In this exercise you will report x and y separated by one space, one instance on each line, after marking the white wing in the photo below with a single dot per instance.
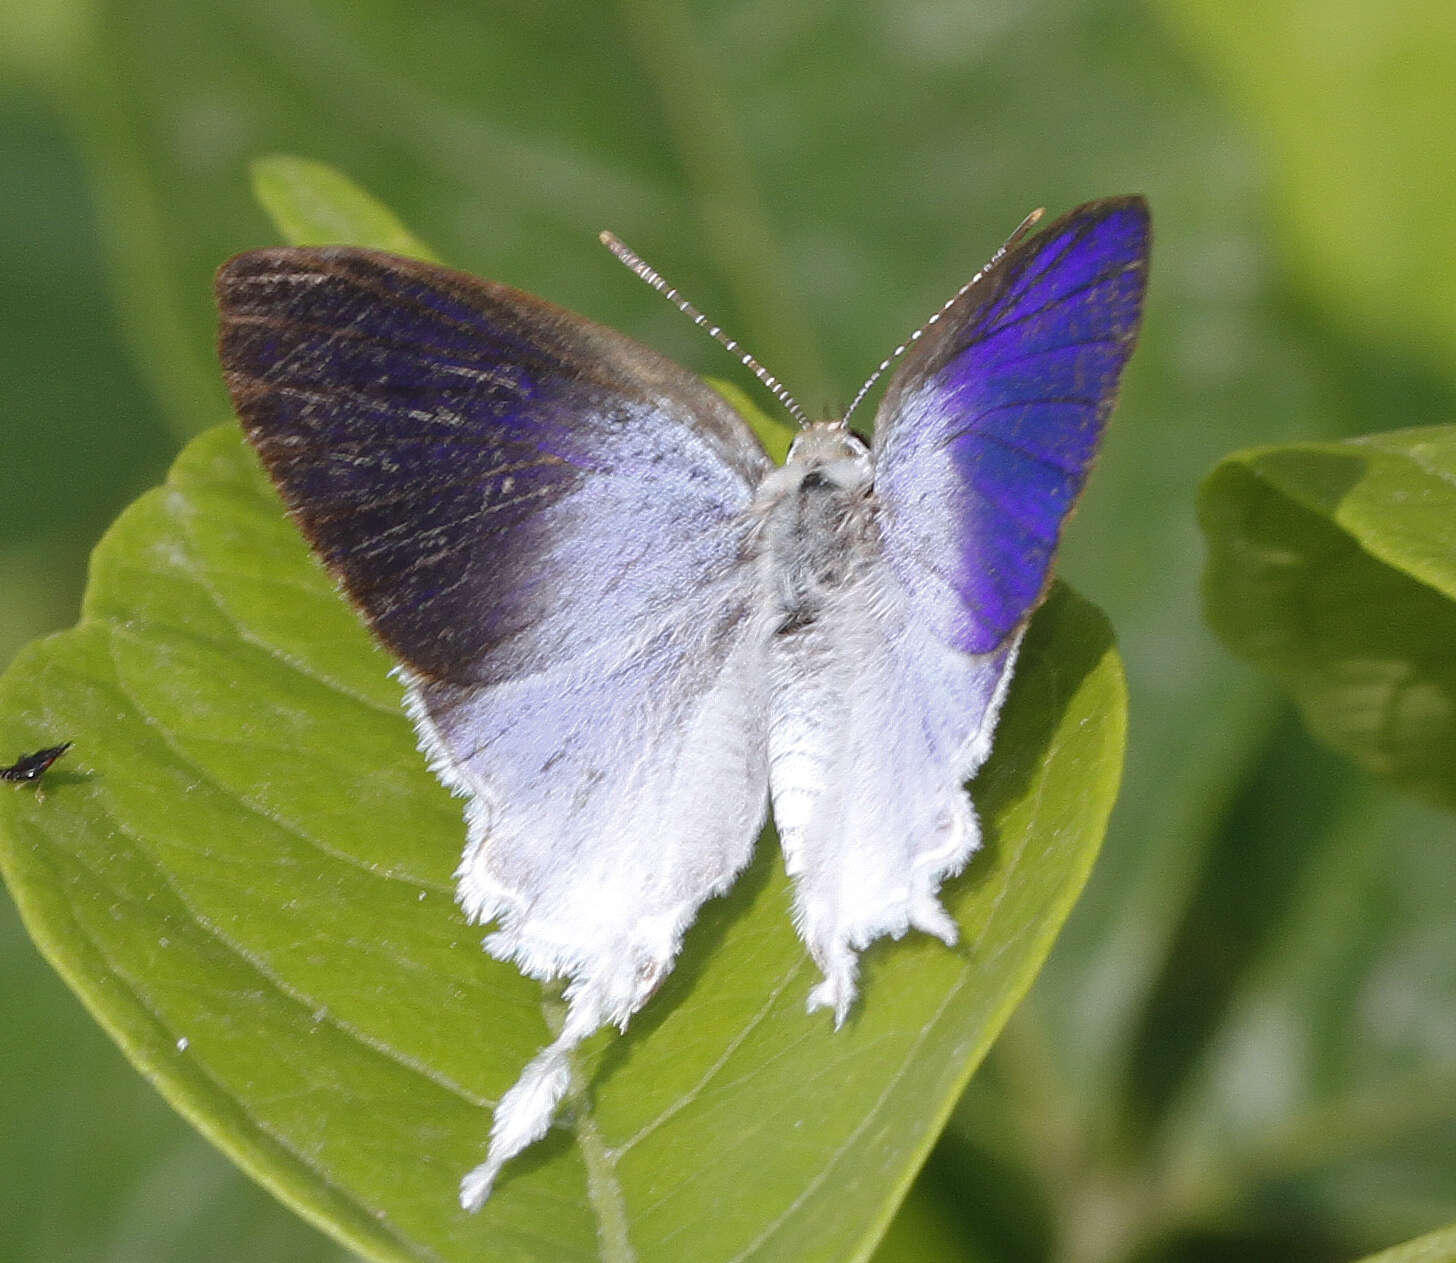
610 795
874 726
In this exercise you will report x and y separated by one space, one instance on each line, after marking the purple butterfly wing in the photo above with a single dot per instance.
442 441
549 525
989 429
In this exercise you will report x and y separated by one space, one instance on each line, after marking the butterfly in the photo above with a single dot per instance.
624 632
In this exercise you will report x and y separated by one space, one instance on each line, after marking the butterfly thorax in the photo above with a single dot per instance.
818 522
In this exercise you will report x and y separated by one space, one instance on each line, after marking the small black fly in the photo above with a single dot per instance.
31 767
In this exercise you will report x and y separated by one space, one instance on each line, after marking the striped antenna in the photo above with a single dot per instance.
945 307
772 383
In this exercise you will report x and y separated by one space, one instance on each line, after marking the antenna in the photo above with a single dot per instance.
945 307
646 273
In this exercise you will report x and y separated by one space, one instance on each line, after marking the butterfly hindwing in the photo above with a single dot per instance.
874 725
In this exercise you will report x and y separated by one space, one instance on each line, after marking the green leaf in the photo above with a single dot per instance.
1433 1247
1333 566
244 872
312 204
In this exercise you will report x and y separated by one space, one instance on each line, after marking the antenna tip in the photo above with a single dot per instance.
622 252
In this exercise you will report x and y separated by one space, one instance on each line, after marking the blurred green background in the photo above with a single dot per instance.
1244 1046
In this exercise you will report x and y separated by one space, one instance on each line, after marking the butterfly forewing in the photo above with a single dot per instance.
987 433
495 481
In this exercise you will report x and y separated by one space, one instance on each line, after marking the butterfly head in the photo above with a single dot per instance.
826 443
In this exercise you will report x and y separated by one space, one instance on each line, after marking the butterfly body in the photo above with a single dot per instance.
818 523
624 633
